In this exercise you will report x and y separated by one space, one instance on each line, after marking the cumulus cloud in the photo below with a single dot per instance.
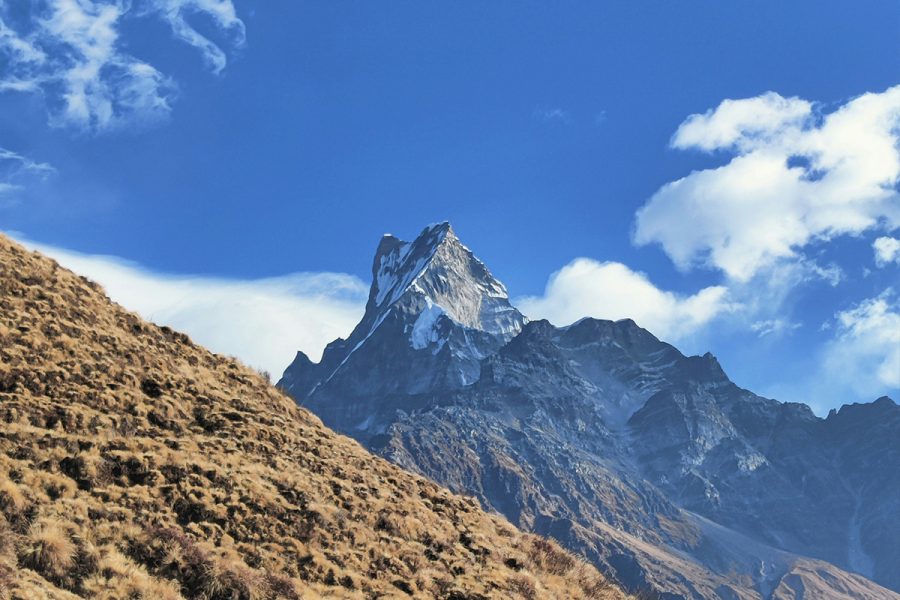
610 290
71 53
796 176
887 251
263 322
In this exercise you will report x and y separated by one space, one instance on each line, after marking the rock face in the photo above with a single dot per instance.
652 464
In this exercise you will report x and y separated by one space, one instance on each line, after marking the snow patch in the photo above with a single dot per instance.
424 331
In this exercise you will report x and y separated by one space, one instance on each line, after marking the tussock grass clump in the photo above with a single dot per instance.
119 577
48 549
12 500
545 555
134 464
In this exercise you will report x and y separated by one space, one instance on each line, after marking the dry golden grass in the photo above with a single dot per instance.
48 549
135 464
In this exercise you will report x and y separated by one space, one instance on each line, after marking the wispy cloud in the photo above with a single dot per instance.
263 321
15 169
860 361
797 176
71 52
610 290
221 12
769 327
551 115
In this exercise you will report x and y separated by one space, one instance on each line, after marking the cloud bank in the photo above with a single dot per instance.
796 176
610 290
263 322
70 52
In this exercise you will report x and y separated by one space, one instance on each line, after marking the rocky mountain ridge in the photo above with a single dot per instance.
651 463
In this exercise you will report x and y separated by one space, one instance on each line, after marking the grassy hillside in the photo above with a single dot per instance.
135 464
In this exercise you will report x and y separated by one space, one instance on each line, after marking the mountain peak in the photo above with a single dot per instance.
864 410
398 263
437 273
432 305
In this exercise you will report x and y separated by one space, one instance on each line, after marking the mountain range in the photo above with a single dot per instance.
652 464
135 464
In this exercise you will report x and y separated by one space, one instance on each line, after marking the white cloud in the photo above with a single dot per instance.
14 168
887 251
70 51
865 353
610 290
551 114
743 123
795 177
17 49
263 322
770 295
767 327
220 11
858 363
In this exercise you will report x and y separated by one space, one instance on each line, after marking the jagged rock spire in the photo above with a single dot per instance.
431 301
436 267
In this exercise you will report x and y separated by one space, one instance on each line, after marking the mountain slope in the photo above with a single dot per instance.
651 463
136 464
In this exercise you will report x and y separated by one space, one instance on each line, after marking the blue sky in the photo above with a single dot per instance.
224 143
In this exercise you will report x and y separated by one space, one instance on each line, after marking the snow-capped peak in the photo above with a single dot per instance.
433 307
436 270
398 264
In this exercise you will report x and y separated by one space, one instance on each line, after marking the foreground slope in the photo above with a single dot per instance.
651 463
134 464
